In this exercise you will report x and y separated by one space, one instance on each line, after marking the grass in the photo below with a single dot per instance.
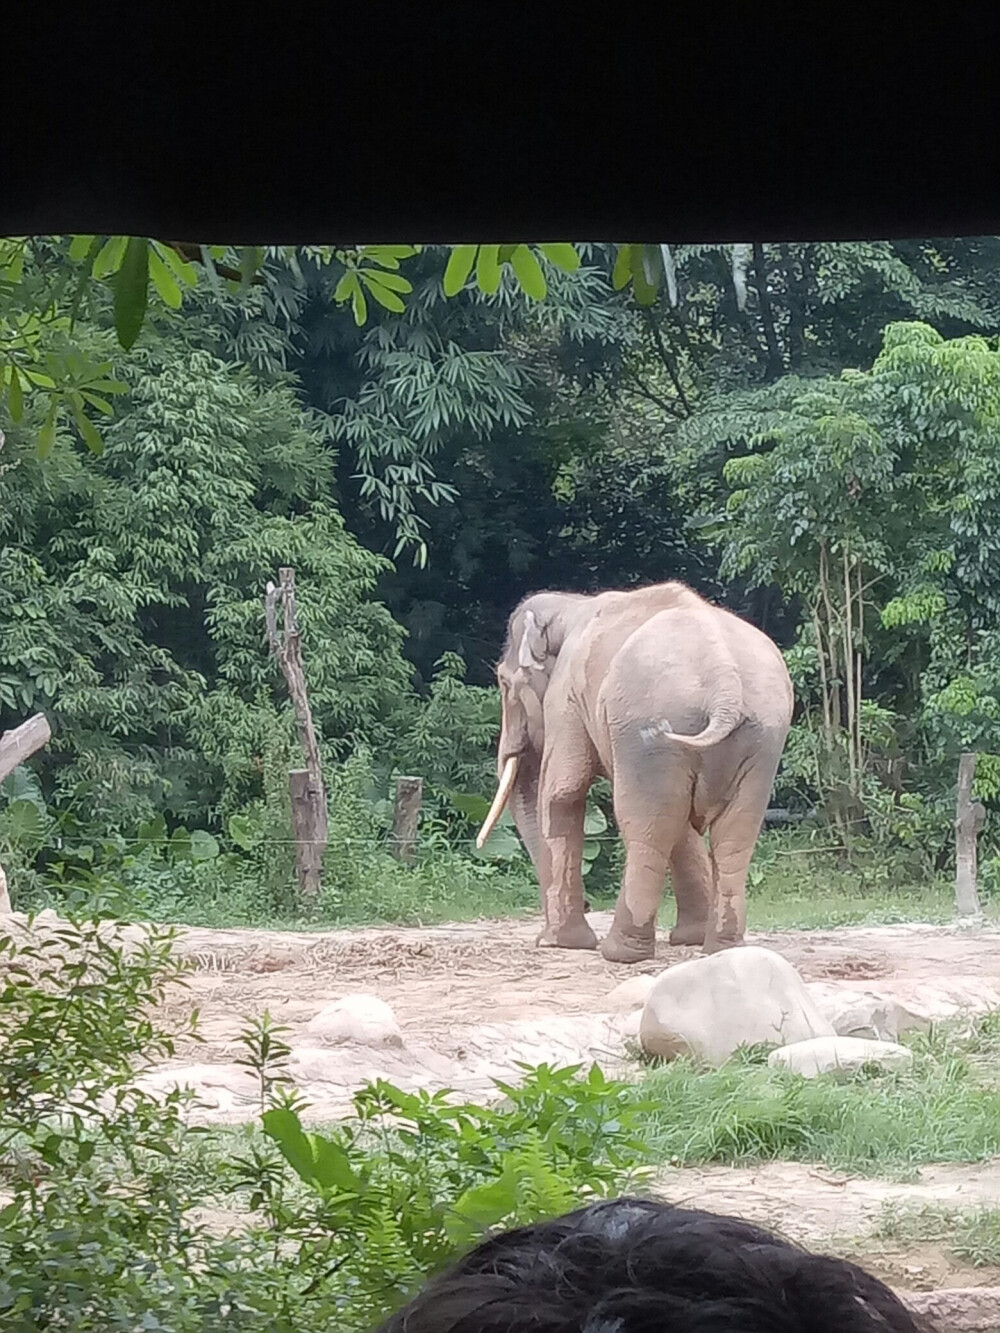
969 1234
944 1108
792 886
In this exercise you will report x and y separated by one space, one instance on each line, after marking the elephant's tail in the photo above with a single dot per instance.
725 714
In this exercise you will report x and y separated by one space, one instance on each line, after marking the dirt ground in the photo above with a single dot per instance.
474 999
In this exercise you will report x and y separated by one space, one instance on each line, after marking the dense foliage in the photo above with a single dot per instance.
100 1180
804 432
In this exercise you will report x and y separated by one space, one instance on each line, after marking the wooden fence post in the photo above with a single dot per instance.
405 816
969 817
308 795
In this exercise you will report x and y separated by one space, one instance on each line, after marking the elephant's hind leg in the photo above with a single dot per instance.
652 808
691 877
732 838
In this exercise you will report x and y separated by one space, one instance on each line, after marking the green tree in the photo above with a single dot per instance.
138 625
874 499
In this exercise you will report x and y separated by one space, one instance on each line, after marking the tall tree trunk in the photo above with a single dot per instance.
796 310
775 364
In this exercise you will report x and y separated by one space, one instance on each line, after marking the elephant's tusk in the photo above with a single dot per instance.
500 800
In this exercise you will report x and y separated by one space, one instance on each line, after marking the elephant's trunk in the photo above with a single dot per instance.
725 714
507 780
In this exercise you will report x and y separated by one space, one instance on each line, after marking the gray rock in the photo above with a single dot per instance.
838 1055
711 1006
364 1019
865 1013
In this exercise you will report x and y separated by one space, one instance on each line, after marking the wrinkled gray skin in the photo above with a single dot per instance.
686 708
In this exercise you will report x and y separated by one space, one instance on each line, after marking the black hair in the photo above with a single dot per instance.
637 1266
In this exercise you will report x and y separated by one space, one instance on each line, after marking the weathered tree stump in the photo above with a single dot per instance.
308 802
308 794
405 817
969 818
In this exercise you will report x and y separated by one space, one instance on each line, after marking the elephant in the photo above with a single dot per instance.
686 708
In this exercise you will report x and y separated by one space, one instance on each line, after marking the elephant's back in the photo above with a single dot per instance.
678 658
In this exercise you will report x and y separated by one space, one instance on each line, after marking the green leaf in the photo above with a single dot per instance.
458 268
283 1126
475 808
181 268
90 433
15 396
594 821
203 846
503 845
331 1167
95 400
132 291
481 1207
382 294
623 268
359 305
47 435
505 253
80 247
180 844
563 256
109 257
529 273
241 830
347 285
591 849
394 281
164 281
488 269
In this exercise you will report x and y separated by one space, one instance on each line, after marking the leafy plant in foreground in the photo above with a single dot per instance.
416 1177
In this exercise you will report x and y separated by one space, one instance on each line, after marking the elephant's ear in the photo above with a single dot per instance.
533 648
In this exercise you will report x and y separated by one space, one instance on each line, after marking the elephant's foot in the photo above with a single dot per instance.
570 935
716 944
692 933
617 947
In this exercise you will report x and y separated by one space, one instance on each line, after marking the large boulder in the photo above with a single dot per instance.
709 1007
838 1055
363 1019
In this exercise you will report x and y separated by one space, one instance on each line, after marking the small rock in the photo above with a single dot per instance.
217 1087
827 1055
865 1013
364 1019
631 994
711 1006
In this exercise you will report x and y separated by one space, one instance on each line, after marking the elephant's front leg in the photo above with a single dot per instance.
563 807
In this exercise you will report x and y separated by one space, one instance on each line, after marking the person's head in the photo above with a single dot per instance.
634 1266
